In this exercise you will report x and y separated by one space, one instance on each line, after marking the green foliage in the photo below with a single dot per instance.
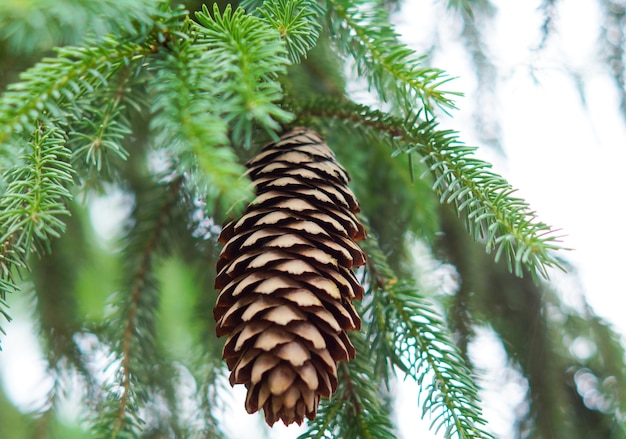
32 204
188 123
361 29
164 106
413 207
406 332
297 23
97 137
29 26
505 224
49 90
133 323
247 56
356 410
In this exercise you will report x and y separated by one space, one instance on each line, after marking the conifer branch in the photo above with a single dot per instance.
32 204
408 333
32 26
362 30
248 55
355 411
189 122
50 89
206 370
97 137
504 223
135 320
297 23
213 84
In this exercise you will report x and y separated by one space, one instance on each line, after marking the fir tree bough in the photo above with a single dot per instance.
164 106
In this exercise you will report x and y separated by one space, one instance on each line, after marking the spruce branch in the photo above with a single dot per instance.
408 333
134 323
189 121
55 276
32 26
97 137
505 224
49 90
362 30
297 22
248 55
355 411
32 205
206 369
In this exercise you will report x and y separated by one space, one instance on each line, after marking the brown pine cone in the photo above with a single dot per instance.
286 280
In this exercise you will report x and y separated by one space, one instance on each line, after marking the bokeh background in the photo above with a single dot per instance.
544 102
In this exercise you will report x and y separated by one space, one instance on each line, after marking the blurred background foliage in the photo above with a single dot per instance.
70 291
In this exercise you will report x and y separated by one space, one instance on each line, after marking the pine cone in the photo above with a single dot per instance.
286 280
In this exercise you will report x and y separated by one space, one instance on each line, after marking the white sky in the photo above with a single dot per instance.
566 160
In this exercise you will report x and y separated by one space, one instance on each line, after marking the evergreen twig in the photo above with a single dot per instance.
189 122
32 205
362 30
297 22
247 56
408 333
49 90
135 318
98 136
503 222
32 26
355 411
210 86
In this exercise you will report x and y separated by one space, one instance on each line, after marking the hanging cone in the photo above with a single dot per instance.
286 280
